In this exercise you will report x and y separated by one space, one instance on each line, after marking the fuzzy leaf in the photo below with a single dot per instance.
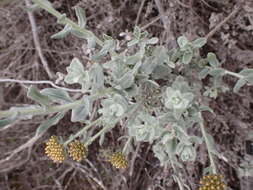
198 43
249 79
107 47
137 32
50 122
8 120
35 95
187 57
77 74
79 34
206 108
97 76
217 72
91 42
80 13
246 72
82 111
63 33
126 81
152 40
56 95
182 41
212 60
239 84
204 73
132 42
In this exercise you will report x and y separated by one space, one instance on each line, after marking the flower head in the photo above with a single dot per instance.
77 150
54 150
212 182
118 160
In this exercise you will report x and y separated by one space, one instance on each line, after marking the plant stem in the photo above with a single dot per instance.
95 122
126 145
106 128
102 131
208 146
52 109
40 110
233 74
44 5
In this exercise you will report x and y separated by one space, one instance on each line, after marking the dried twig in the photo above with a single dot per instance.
212 32
151 22
37 42
87 172
139 12
161 11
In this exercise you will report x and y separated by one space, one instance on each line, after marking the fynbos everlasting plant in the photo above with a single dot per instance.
155 94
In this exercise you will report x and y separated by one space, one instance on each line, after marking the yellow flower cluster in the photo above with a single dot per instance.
55 150
118 160
77 150
212 182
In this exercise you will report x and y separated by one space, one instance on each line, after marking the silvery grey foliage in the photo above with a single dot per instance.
113 107
154 93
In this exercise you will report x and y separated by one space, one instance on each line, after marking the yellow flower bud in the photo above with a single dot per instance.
118 160
54 150
212 182
77 151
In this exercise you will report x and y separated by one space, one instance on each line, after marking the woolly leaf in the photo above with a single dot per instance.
212 60
77 74
126 81
182 41
8 120
132 42
80 13
198 43
152 40
187 57
97 76
80 112
35 95
56 95
50 122
249 79
246 72
63 33
217 72
204 73
239 84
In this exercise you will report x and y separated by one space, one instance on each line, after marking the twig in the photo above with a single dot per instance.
37 41
151 22
83 169
208 146
182 4
212 32
139 12
40 82
133 159
161 11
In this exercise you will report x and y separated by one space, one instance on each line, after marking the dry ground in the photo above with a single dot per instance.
166 19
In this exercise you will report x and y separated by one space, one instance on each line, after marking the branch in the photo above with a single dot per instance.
37 41
39 82
208 146
212 32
